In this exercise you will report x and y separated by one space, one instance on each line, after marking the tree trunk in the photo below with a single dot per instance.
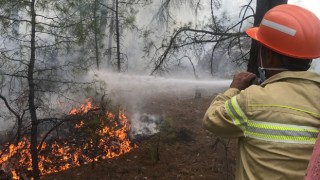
103 19
262 7
15 24
111 35
19 130
32 108
102 27
96 34
118 36
83 49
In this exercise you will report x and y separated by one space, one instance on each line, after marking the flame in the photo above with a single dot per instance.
110 140
14 175
80 125
84 108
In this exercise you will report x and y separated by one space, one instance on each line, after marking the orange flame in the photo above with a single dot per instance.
80 125
111 140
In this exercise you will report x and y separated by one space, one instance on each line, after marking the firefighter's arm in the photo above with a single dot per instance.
217 120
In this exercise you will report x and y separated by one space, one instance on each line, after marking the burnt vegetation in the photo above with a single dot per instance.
88 134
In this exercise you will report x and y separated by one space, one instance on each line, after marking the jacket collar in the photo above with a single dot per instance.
305 75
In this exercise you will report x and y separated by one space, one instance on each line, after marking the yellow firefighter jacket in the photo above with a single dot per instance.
277 124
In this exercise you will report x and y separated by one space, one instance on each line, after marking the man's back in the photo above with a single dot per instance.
279 123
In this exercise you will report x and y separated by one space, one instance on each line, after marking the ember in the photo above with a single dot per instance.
99 135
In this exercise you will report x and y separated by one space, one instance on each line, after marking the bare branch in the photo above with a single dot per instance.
172 45
9 107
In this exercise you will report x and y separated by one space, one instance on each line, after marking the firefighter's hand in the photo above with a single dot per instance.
242 80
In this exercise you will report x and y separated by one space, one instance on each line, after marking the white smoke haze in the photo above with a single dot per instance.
182 14
144 125
136 87
313 6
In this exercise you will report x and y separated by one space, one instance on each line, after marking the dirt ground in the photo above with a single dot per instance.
182 149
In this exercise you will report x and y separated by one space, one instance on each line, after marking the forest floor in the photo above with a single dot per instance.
181 150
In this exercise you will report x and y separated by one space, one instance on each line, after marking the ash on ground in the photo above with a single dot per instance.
144 125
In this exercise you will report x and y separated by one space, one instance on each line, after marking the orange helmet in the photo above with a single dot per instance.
289 30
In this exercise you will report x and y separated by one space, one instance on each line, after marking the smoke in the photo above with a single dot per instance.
144 125
134 91
312 5
182 16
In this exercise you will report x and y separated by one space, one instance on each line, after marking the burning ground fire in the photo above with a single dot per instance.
100 135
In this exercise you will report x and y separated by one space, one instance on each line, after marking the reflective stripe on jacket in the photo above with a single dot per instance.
277 124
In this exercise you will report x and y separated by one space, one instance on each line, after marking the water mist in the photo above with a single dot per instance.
134 92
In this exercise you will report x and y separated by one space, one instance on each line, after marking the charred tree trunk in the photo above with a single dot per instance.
118 36
31 101
262 7
19 130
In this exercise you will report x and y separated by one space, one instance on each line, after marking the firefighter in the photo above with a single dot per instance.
276 122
